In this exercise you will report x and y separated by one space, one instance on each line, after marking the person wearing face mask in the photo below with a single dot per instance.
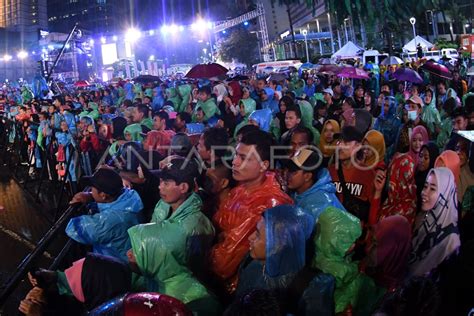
436 233
414 110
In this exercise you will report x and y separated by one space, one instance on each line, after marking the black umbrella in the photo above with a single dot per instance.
144 79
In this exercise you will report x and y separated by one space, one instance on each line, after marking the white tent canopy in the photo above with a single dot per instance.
411 45
350 50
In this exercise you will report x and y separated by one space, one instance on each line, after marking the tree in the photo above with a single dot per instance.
240 45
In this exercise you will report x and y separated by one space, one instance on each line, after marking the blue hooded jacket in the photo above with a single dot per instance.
320 196
270 103
263 119
106 230
389 124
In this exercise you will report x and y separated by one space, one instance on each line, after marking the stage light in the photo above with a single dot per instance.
103 40
115 38
91 42
151 58
7 57
132 35
173 28
151 32
50 47
246 23
165 29
22 54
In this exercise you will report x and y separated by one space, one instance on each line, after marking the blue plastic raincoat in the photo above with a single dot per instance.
263 118
320 196
270 102
129 94
389 124
106 230
286 230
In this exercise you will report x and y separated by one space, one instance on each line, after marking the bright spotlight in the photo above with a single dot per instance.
165 29
181 28
246 23
50 47
151 32
132 35
151 58
68 46
103 40
7 57
91 42
173 28
22 54
114 38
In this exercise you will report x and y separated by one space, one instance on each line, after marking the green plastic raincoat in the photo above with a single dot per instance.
337 231
172 95
431 115
94 113
209 108
134 130
184 92
249 106
307 114
164 248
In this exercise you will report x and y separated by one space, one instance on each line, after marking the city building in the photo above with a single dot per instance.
98 17
26 17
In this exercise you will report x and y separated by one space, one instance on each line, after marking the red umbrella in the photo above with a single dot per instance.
207 71
353 73
81 84
437 69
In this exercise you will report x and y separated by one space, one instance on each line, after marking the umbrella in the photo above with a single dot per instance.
437 70
353 73
144 79
207 71
81 84
325 61
238 78
407 74
392 60
277 77
307 66
330 69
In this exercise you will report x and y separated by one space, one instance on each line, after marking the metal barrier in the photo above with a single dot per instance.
31 259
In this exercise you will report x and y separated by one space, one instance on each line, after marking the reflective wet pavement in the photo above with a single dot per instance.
23 222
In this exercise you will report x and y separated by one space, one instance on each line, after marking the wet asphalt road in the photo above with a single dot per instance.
23 222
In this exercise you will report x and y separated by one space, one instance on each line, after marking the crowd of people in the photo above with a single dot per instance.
310 195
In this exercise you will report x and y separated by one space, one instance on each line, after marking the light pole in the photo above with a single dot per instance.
305 33
330 31
413 22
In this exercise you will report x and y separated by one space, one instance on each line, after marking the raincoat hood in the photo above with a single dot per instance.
135 131
320 196
209 108
249 106
287 228
263 118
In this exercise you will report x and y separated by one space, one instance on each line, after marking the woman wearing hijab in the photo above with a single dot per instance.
418 138
327 142
401 198
428 154
450 159
278 250
436 234
374 151
387 259
466 177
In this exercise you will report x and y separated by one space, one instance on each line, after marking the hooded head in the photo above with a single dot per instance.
261 118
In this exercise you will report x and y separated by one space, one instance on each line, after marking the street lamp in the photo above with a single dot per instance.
305 33
413 22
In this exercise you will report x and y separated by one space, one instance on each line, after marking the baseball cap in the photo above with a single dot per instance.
105 180
416 99
304 159
349 134
329 90
178 169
